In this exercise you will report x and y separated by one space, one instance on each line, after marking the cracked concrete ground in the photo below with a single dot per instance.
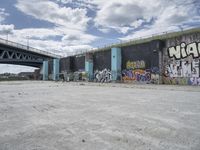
36 115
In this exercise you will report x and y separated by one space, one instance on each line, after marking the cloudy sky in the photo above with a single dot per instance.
66 26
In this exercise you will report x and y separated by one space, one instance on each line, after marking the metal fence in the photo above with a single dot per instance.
121 43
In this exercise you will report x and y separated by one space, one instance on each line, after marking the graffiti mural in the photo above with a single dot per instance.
175 81
155 75
135 72
183 65
103 76
194 81
182 68
135 64
136 75
182 51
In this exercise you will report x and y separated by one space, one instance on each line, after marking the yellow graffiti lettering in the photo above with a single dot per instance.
135 64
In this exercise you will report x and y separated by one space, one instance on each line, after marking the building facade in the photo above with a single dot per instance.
172 58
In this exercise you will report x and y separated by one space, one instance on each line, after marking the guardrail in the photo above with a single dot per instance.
28 48
120 43
133 41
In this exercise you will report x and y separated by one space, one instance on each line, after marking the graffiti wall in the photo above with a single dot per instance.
102 66
102 60
140 63
104 75
182 60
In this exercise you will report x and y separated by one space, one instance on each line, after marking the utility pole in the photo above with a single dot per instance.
7 36
27 42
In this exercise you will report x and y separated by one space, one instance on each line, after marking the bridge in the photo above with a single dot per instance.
19 54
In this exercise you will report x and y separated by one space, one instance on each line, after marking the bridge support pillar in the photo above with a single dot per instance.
89 65
56 69
116 62
45 70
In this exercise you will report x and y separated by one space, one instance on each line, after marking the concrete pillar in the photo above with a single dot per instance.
89 66
56 67
161 68
116 62
45 70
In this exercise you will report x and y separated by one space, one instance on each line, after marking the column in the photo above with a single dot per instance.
89 65
116 63
45 70
56 67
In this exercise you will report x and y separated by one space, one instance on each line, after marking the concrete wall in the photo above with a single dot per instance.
181 60
65 64
165 60
102 60
72 68
140 63
78 63
102 66
50 69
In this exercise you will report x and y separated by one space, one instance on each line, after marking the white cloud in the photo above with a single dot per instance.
68 36
3 15
78 39
45 39
79 3
174 17
124 16
69 30
6 29
52 12
148 32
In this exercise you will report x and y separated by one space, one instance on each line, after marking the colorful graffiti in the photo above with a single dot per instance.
175 81
136 75
103 76
184 66
184 50
139 75
135 64
182 72
181 81
135 71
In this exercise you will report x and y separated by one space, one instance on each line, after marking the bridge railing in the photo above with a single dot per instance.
121 43
27 48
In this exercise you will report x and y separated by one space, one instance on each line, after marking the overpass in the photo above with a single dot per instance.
19 54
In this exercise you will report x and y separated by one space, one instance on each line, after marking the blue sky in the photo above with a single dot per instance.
67 26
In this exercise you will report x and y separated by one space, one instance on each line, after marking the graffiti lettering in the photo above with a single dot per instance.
135 64
103 76
179 81
136 75
183 50
182 80
182 69
194 81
